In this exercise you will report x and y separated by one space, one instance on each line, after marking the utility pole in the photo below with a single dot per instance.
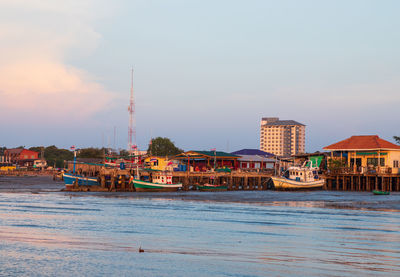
42 158
115 134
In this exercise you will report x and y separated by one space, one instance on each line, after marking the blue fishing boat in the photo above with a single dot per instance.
73 179
78 180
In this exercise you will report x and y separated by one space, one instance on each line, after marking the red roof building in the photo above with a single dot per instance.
20 156
362 143
368 152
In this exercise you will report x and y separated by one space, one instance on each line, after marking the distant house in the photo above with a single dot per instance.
20 156
2 158
365 153
317 159
5 165
255 159
160 163
206 160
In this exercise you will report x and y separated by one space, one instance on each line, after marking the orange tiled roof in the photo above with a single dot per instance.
362 143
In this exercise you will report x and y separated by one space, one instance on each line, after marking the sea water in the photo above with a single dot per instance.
46 232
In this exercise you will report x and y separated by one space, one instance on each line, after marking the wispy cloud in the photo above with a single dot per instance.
35 79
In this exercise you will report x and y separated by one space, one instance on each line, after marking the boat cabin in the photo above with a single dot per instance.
162 178
304 173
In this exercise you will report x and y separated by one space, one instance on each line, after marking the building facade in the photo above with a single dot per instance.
255 160
368 154
21 157
282 137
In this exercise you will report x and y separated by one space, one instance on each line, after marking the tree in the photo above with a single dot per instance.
123 153
54 156
163 147
397 139
91 152
335 164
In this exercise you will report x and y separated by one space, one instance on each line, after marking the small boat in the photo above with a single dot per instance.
160 182
211 187
380 192
78 180
299 177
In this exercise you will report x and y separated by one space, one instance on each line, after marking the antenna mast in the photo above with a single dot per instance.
132 126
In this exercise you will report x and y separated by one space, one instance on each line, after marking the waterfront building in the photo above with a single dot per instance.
160 163
207 160
255 159
2 157
317 159
367 154
20 156
282 137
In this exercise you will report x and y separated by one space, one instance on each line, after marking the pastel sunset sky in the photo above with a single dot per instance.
205 71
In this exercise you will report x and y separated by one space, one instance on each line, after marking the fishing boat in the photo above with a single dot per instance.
74 179
380 192
299 177
160 182
212 187
71 179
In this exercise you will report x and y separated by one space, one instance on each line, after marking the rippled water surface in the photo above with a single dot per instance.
257 233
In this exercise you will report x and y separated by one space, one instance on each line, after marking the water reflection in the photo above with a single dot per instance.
228 235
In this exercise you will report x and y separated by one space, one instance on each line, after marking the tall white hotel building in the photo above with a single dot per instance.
282 137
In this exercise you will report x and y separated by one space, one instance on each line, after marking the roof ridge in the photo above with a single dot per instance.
364 136
363 142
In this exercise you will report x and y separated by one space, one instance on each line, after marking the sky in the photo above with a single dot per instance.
205 72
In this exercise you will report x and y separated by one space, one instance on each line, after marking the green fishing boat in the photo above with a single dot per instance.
150 186
159 182
210 187
380 192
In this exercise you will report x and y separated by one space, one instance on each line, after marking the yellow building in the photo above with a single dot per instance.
159 163
368 153
282 137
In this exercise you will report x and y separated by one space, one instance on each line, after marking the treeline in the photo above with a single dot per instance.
53 155
56 156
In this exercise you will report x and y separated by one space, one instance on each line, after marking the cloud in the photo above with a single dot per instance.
36 82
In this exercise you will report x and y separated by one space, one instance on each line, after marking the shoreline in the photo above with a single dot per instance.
349 200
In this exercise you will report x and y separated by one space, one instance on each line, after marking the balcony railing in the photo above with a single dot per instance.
361 170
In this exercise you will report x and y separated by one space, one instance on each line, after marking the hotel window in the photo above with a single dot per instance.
396 164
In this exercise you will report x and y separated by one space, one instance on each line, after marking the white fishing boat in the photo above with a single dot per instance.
299 177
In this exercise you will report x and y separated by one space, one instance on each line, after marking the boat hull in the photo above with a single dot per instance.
207 187
149 186
70 179
380 192
287 184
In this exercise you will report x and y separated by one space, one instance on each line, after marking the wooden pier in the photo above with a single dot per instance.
362 182
115 179
234 180
118 180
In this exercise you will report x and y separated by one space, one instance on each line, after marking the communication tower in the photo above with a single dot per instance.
132 147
